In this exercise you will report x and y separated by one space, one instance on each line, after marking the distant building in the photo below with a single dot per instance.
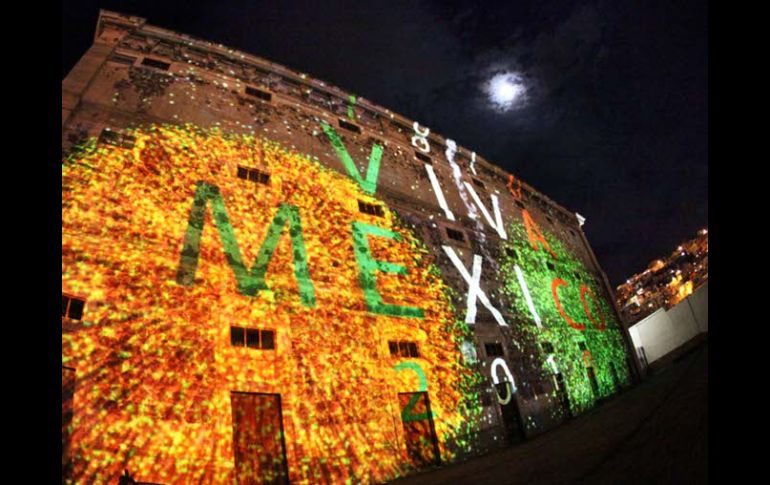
266 278
666 281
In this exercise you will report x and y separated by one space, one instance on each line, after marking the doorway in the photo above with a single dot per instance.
419 432
514 430
67 396
258 441
594 382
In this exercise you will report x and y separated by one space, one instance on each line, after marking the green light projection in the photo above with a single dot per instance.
569 301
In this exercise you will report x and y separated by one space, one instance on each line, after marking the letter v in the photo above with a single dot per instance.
369 185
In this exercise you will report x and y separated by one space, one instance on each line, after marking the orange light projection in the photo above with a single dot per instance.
155 368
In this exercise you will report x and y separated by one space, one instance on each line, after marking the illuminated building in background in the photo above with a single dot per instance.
268 279
666 282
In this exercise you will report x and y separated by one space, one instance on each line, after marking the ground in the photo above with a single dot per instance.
656 432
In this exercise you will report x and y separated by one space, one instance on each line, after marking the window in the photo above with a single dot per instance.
486 399
121 59
116 138
253 338
511 253
72 307
548 347
147 61
455 234
550 221
478 183
493 349
349 126
425 158
582 346
573 233
254 175
371 209
403 349
258 93
550 265
520 204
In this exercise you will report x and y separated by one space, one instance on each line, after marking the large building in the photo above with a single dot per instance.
267 279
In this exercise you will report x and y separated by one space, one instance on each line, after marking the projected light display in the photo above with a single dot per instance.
550 284
208 293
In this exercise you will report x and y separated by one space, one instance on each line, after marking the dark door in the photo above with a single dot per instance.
594 383
561 391
67 395
514 431
420 435
258 443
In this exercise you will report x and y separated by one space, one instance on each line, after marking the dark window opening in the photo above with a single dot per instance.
157 64
237 336
550 221
371 209
403 349
349 126
493 349
121 59
520 204
72 307
116 138
456 235
425 158
548 347
573 233
582 346
550 265
253 175
258 93
479 183
253 338
511 253
268 339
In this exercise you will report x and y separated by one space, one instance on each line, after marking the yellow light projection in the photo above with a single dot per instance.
154 363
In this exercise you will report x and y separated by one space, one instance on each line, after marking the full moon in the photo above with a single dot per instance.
506 90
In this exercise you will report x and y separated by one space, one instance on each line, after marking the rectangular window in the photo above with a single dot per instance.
478 183
72 307
520 204
455 234
371 209
253 338
258 93
493 349
349 126
550 265
425 158
254 175
115 138
157 64
511 253
582 346
403 349
547 347
121 59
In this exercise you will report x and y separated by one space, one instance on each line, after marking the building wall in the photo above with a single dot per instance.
347 246
666 330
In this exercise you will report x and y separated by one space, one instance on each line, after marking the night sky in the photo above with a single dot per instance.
613 124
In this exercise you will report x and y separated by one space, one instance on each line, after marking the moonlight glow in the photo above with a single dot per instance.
506 91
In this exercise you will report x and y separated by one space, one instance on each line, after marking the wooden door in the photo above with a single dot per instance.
67 396
258 442
419 432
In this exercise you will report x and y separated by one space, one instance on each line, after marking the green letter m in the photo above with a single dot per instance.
249 282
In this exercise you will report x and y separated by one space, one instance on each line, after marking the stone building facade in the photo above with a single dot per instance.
267 279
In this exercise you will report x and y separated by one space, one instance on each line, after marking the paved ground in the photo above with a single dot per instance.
655 433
